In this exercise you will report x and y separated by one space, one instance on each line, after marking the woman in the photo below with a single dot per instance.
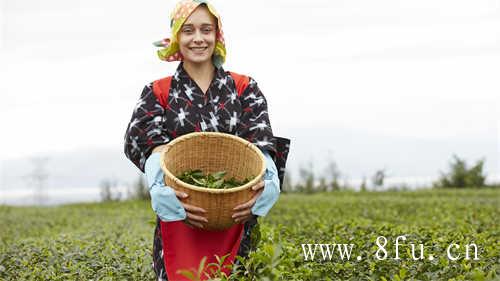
200 96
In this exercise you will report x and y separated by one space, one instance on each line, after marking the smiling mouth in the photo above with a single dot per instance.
198 49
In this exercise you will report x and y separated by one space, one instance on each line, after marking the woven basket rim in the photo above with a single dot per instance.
186 137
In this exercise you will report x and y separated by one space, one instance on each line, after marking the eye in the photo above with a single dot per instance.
207 29
187 30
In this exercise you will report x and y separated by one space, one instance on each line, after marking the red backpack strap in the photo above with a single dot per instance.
161 89
240 81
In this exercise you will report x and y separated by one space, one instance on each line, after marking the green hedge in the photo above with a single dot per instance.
112 241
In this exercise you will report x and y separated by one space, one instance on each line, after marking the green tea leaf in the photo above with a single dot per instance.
219 175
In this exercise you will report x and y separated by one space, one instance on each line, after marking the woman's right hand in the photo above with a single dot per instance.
194 215
166 201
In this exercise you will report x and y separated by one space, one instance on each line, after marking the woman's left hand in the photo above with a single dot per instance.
244 211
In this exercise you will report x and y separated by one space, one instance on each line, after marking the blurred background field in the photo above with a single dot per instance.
113 240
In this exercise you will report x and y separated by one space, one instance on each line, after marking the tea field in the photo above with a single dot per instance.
112 241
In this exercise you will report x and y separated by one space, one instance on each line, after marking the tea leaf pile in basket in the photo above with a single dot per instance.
214 180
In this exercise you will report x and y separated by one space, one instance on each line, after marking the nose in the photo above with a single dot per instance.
198 38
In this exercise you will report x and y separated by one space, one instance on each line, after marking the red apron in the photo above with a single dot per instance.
184 248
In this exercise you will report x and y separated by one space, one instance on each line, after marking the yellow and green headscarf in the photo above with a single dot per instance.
170 47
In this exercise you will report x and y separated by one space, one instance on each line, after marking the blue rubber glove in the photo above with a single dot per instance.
271 191
163 199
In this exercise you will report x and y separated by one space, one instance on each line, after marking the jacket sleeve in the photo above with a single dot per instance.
255 126
146 128
254 123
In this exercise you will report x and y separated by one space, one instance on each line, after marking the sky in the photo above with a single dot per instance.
389 84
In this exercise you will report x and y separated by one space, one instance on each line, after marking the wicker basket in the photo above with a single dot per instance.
213 152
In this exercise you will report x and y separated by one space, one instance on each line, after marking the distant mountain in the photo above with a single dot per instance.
78 168
357 154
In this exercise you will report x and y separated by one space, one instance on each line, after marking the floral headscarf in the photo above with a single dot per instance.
183 9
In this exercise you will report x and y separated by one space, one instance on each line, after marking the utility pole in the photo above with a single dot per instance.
39 177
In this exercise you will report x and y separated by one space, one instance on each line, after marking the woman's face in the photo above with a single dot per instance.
197 36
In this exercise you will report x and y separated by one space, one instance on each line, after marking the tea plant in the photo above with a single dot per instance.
113 241
213 180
